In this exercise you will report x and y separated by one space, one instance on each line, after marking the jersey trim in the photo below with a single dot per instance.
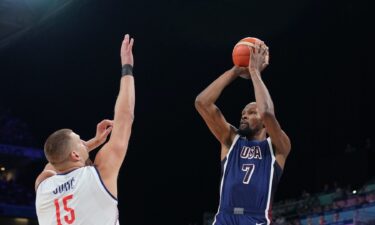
101 181
37 187
69 171
223 176
270 181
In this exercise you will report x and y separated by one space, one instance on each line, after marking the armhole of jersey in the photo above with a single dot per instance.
272 152
271 147
100 182
37 187
235 139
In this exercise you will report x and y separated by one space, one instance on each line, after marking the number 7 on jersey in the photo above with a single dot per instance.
249 169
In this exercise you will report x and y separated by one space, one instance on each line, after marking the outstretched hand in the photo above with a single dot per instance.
127 51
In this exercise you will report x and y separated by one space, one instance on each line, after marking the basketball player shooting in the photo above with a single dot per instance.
253 155
69 191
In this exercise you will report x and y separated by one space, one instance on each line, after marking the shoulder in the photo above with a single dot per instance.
226 148
232 138
44 175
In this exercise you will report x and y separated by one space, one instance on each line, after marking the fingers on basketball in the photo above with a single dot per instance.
131 44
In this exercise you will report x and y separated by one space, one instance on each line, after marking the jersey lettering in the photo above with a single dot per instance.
64 187
251 152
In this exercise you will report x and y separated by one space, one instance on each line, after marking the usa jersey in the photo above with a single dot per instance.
250 175
78 197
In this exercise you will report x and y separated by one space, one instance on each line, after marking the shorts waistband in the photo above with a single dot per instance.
242 211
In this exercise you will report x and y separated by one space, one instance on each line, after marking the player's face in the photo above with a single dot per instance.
250 122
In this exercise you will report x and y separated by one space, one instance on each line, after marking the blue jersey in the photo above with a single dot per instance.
250 175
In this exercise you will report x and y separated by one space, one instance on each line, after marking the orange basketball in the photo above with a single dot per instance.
241 51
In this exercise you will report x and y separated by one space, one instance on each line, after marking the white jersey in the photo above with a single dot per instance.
78 197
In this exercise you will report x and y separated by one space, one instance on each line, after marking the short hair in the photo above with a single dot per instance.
56 147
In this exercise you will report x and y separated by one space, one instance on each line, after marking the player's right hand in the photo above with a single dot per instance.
127 51
259 57
266 58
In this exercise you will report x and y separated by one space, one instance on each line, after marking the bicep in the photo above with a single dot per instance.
216 122
121 132
111 156
109 159
280 139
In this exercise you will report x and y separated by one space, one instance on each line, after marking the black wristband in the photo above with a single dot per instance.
127 69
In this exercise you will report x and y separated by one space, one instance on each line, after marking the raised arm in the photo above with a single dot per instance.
211 114
280 141
109 159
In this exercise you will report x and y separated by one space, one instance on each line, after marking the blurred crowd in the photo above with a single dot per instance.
13 131
334 199
13 193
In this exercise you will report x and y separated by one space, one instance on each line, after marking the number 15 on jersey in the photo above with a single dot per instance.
68 219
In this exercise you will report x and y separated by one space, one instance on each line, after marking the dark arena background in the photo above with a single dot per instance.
60 68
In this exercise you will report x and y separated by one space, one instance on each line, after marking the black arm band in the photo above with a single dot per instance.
127 69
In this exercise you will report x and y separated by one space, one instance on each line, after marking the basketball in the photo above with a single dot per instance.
241 51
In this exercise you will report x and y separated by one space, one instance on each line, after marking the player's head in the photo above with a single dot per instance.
251 123
64 149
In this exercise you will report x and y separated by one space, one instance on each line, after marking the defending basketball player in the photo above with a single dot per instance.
253 155
69 191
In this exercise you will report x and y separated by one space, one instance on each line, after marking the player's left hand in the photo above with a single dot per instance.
103 129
